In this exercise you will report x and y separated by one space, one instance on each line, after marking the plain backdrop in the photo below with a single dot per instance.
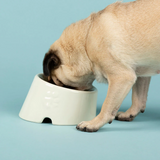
27 29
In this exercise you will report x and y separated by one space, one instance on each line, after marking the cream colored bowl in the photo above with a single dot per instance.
62 105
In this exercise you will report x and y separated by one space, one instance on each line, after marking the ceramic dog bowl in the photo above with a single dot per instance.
62 105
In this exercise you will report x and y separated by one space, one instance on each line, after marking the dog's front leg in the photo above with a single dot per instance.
119 86
139 98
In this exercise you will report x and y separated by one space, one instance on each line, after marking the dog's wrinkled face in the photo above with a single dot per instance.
64 75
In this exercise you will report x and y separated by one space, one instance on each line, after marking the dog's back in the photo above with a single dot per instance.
133 29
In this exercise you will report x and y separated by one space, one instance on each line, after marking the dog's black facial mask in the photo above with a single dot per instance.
51 61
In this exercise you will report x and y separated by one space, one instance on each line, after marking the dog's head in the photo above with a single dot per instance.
66 75
67 62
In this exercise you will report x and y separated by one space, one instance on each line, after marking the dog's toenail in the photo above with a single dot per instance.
84 129
110 122
116 118
131 116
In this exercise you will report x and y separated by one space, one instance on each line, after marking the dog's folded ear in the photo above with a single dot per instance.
51 61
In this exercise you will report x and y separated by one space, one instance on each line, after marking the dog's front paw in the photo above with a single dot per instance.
95 124
87 126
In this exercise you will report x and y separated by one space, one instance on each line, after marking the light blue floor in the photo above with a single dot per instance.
20 139
27 29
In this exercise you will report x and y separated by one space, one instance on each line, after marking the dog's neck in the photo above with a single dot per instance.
73 41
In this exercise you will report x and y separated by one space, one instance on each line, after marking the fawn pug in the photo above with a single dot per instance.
119 45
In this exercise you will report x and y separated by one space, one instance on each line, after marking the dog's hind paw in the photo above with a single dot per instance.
125 116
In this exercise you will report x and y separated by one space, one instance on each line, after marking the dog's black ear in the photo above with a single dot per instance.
51 61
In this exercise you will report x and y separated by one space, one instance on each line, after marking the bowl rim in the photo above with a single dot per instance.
40 75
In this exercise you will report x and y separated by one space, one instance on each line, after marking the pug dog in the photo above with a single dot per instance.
119 45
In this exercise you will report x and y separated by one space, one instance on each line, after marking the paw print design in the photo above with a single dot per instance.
51 100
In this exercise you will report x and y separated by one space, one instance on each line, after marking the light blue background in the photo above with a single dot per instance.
27 29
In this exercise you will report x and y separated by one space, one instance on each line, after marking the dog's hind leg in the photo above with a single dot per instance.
139 98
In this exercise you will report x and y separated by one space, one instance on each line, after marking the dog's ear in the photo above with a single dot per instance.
51 61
